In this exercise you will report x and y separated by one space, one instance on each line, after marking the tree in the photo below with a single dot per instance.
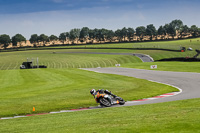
63 37
67 35
96 34
194 30
84 34
91 35
99 34
18 38
161 32
5 40
119 35
130 33
124 33
199 30
74 34
102 34
34 39
166 30
184 30
43 38
171 30
175 27
177 24
141 31
110 35
151 31
53 38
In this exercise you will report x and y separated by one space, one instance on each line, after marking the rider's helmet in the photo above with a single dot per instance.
93 91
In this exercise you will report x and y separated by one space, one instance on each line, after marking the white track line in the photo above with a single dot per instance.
176 93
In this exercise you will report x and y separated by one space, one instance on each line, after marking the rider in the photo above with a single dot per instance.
109 96
101 91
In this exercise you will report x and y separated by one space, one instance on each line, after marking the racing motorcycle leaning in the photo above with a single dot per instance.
108 99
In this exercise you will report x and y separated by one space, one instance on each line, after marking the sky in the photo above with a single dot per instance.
49 17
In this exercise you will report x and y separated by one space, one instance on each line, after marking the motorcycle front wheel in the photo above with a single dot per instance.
105 102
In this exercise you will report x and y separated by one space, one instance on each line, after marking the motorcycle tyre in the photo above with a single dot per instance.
121 101
101 101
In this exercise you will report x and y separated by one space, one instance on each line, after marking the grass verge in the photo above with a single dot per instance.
176 117
167 66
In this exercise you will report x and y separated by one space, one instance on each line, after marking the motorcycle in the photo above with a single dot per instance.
109 99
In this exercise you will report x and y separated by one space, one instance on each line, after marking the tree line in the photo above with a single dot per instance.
175 28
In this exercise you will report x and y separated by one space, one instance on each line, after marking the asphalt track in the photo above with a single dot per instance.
188 82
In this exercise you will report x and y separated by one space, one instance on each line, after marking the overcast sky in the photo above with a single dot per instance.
29 17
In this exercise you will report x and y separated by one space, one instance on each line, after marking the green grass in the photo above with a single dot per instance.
56 89
13 60
176 117
167 66
62 88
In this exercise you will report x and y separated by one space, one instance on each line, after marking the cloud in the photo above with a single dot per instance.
58 21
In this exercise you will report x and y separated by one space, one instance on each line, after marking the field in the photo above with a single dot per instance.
63 86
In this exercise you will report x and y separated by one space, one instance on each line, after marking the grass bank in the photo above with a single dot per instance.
56 89
176 117
61 59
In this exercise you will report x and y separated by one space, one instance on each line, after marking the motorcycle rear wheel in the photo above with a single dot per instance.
121 101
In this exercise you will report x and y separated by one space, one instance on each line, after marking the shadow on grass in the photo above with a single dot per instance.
66 47
182 59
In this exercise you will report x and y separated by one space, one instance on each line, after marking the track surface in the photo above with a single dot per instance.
144 58
188 82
